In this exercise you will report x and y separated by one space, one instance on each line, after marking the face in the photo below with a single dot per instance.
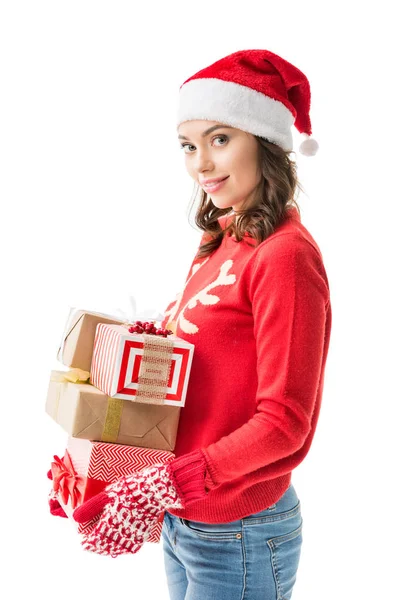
214 150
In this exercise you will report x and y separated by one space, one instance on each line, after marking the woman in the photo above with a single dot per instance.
256 306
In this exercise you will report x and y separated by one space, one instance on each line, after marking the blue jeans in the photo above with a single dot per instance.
254 558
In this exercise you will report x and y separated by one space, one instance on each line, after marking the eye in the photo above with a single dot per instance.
220 137
184 146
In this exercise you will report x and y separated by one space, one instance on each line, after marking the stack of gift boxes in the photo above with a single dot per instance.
119 402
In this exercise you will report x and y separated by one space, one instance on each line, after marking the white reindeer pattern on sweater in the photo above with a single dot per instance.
203 297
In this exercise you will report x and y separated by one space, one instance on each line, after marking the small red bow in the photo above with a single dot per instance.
66 482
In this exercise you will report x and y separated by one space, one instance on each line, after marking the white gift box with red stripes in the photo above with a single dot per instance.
117 358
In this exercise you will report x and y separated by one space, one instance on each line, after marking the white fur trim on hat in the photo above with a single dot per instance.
238 106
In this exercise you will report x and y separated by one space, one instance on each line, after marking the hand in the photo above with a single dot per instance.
129 508
54 505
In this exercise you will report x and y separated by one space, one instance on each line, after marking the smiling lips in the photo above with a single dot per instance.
214 184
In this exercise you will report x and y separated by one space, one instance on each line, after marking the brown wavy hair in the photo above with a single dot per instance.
274 195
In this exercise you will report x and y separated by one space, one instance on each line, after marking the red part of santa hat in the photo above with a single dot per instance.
253 90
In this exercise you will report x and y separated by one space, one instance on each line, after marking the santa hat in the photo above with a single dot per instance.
253 90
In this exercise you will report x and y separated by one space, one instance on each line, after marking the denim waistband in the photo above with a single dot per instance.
288 501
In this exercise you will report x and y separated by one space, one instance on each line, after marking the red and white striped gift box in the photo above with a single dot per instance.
102 463
116 361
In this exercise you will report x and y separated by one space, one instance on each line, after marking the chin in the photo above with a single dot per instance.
221 205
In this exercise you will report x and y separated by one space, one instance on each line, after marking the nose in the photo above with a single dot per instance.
203 161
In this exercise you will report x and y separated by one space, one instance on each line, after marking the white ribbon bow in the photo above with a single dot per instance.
150 314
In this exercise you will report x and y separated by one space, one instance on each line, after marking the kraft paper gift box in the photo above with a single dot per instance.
76 347
141 367
85 412
88 467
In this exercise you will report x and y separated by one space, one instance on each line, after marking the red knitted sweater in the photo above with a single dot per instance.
260 320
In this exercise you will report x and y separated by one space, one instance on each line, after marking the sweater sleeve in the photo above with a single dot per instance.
289 293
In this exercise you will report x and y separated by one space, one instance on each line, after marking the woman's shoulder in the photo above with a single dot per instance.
289 254
290 236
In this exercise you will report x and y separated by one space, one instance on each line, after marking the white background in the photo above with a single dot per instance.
95 207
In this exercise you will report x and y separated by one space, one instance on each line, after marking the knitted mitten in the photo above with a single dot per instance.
130 508
54 505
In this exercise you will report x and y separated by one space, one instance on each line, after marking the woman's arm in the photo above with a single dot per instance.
289 293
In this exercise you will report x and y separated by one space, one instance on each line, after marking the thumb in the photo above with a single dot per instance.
56 508
90 508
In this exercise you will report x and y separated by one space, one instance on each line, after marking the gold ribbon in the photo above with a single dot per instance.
72 376
113 420
154 370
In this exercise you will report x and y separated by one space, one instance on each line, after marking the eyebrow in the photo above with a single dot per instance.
207 131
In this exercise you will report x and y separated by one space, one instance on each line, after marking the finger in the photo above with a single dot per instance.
56 509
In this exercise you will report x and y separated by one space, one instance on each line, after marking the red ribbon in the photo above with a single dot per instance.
66 481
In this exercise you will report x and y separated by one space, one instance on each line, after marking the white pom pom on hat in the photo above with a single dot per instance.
253 90
308 146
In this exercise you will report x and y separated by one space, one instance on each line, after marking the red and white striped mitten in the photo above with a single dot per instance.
130 508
